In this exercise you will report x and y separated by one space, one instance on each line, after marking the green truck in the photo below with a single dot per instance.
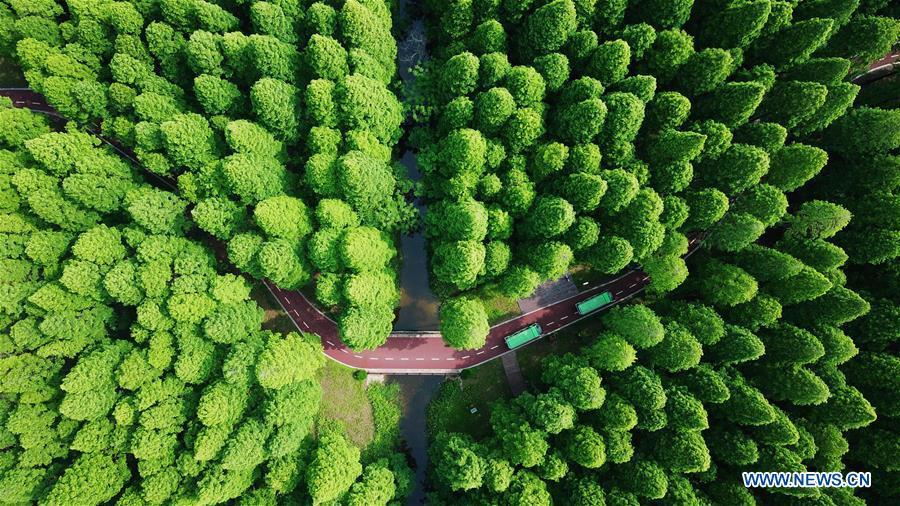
526 335
594 303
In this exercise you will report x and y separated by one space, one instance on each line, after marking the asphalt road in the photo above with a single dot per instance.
402 353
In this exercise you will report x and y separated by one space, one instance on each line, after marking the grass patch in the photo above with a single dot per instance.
384 399
449 408
344 399
498 307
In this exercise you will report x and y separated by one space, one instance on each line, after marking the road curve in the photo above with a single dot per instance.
430 355
879 69
402 353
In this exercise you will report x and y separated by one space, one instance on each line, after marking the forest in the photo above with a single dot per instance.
598 135
131 366
565 133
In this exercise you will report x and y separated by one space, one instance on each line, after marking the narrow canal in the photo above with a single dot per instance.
418 305
415 393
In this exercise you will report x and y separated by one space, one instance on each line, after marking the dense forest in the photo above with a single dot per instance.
276 121
599 135
130 365
564 133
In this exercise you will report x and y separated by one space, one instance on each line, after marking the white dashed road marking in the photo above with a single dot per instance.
495 346
330 343
564 317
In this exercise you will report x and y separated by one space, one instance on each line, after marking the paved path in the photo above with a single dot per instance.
549 292
879 69
513 373
402 353
430 354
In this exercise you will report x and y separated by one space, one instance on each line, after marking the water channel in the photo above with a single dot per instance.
415 392
418 305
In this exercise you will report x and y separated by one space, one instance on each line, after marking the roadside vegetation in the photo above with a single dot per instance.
451 407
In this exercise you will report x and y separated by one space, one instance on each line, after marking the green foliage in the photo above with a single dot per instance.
845 137
864 37
794 43
608 63
736 25
747 164
679 349
134 322
637 324
333 469
731 103
551 133
548 27
724 284
790 103
288 361
464 323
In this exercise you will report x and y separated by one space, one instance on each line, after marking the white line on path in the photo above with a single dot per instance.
388 358
345 351
467 356
373 358
304 324
358 356
403 358
564 317
435 359
420 359
329 342
495 346
480 352
632 285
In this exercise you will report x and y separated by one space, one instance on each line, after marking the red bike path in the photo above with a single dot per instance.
428 354
424 353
